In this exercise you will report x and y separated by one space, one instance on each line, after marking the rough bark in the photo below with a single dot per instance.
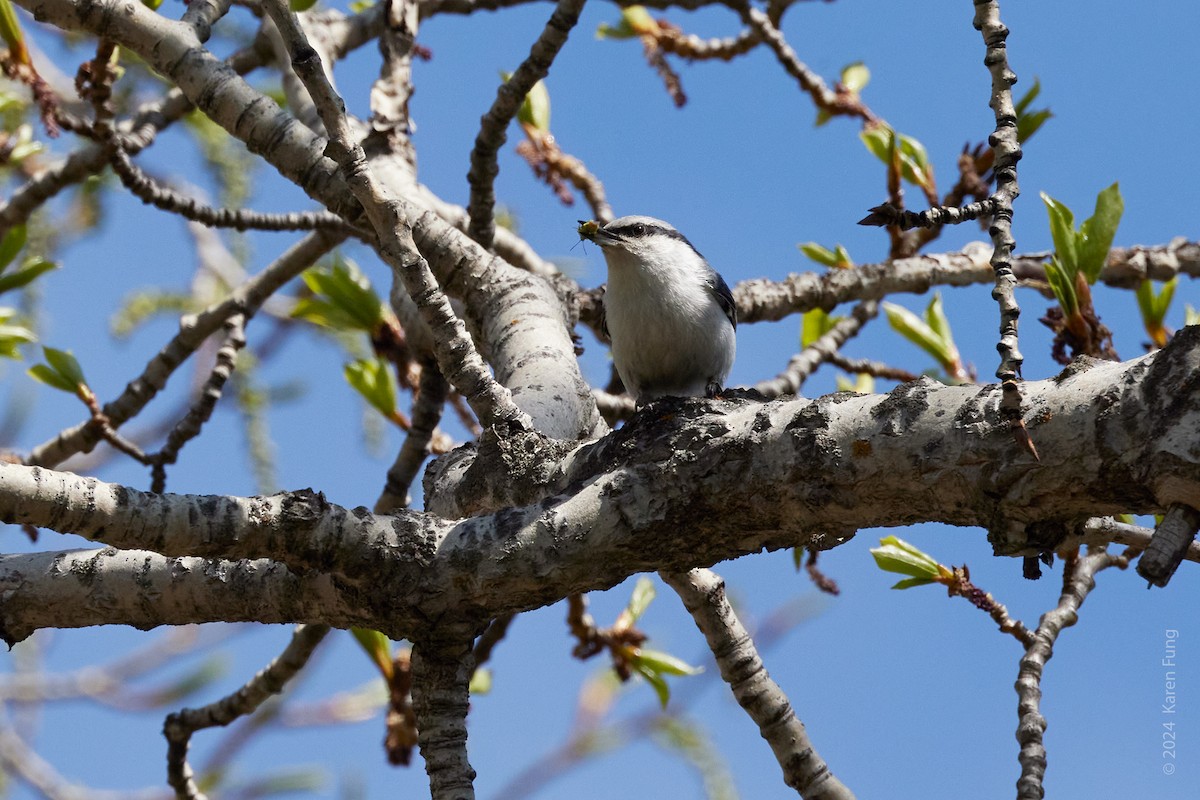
659 494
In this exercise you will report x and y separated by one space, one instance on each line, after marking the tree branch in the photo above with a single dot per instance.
1170 544
193 331
1008 152
823 469
80 588
441 673
804 363
703 594
1079 578
267 683
493 131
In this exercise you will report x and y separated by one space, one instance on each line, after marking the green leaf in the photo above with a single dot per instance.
935 316
909 583
377 647
896 555
65 364
917 331
373 380
1062 286
823 116
1098 232
643 594
1162 303
1029 124
1145 299
27 274
349 301
862 384
297 5
1154 305
908 153
654 678
879 142
635 20
13 335
481 681
48 376
815 324
11 244
535 108
915 162
1062 231
665 663
838 258
1028 97
818 253
10 32
323 313
855 77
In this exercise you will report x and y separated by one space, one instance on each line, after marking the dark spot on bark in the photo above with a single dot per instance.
902 405
976 410
303 507
809 418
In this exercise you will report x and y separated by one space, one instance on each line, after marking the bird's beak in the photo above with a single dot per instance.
593 232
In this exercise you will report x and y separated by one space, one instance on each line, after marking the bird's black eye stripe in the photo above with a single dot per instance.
640 230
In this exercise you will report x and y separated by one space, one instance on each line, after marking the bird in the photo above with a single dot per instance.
670 315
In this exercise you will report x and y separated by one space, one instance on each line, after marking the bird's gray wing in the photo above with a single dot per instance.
724 297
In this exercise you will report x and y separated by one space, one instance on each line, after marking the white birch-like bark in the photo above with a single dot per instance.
666 492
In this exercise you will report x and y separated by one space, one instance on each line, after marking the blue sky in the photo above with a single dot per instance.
907 695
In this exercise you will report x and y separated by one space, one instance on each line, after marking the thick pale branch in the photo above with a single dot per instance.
441 672
659 494
520 316
80 588
765 300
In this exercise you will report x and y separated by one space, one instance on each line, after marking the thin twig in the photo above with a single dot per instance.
189 427
1008 152
269 682
487 641
1079 578
493 129
153 193
876 369
428 403
936 217
193 331
827 100
1102 530
807 360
